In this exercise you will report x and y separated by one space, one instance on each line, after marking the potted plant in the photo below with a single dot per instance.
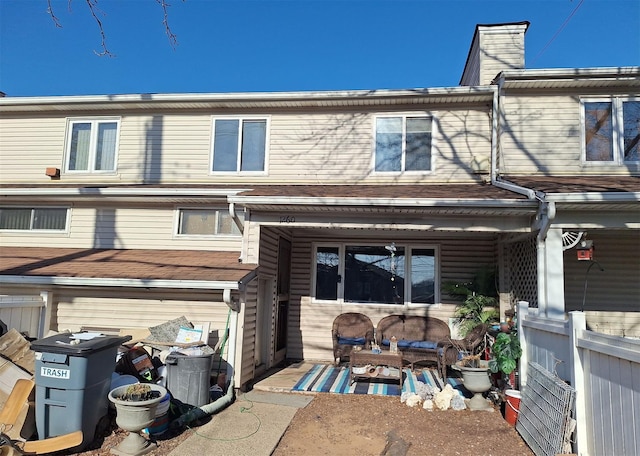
479 300
475 374
135 410
505 352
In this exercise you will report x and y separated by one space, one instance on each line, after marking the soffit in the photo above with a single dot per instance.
250 101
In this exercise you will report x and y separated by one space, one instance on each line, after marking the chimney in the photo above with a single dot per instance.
494 48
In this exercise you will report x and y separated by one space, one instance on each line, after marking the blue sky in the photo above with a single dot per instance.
297 45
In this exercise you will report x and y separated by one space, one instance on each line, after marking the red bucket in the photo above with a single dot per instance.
513 406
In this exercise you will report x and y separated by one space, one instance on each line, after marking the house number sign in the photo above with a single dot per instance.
287 219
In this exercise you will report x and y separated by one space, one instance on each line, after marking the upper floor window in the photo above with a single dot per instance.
33 218
612 130
92 145
403 143
207 222
375 274
239 145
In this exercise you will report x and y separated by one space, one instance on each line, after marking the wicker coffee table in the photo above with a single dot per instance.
362 358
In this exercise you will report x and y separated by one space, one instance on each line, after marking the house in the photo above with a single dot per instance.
269 214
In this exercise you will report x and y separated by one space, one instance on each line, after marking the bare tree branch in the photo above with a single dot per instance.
95 12
93 7
173 39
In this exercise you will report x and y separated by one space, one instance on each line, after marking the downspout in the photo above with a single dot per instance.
238 222
497 110
222 402
546 210
236 219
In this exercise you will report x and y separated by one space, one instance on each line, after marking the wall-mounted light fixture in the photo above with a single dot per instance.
585 250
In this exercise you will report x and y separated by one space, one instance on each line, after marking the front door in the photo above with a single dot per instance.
282 300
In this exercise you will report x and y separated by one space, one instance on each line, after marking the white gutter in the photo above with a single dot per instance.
239 96
130 283
568 73
391 202
591 197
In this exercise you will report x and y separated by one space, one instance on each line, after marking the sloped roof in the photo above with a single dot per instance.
153 267
578 184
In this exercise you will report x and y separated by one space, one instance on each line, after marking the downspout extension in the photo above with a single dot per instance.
224 401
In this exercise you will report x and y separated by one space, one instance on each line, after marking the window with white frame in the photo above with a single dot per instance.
611 130
33 218
375 274
239 145
403 143
92 145
207 222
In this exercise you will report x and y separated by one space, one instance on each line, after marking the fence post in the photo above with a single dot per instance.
577 324
522 312
45 313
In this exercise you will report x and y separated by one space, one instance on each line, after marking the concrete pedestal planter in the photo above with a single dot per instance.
135 415
476 380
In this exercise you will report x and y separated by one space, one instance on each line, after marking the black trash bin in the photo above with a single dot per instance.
73 379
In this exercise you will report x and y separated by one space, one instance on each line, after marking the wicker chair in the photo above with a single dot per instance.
448 350
350 329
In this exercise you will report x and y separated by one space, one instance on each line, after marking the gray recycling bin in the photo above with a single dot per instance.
189 377
73 383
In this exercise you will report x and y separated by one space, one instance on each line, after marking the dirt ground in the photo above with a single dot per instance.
366 425
335 424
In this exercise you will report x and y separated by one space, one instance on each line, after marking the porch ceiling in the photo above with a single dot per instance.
112 267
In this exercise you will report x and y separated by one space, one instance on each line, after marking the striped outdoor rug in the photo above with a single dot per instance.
326 378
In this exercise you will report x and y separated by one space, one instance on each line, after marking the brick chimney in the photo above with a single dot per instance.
494 48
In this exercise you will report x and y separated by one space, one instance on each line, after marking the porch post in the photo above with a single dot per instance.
554 275
522 314
577 324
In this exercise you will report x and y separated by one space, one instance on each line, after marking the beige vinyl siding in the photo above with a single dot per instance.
247 335
618 252
136 309
28 146
334 148
121 228
326 147
500 50
460 258
165 148
542 135
471 73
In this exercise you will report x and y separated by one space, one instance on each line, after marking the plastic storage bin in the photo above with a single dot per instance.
188 378
72 383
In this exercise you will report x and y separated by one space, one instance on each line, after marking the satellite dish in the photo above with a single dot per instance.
570 239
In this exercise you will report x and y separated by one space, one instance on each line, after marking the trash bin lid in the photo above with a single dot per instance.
75 344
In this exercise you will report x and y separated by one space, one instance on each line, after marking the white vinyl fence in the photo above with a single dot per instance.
26 314
604 370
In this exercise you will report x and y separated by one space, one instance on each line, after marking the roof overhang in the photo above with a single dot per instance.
255 101
165 269
582 78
